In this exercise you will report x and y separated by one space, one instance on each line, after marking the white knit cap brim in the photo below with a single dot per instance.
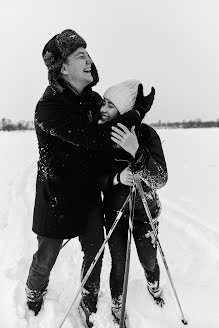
123 95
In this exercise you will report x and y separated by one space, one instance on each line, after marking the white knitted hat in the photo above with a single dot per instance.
123 95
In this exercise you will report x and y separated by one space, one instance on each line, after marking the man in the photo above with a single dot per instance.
71 146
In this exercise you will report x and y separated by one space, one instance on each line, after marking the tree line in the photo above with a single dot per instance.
198 123
9 125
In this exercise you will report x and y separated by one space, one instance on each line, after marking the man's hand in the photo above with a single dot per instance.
126 177
125 138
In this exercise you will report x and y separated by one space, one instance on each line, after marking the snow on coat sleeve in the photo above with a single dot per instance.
73 128
149 161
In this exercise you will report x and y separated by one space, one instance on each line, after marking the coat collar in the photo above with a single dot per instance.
86 94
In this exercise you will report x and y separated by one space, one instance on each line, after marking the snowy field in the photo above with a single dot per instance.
189 235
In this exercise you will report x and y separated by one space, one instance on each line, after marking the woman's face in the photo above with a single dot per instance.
108 111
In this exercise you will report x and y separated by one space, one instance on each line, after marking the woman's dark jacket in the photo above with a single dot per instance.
149 163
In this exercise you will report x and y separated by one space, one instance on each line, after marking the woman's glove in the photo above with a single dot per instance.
143 103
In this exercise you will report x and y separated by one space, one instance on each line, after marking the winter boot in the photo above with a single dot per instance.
88 304
85 313
156 293
116 312
35 299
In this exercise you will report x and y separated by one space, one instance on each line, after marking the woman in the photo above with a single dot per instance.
132 154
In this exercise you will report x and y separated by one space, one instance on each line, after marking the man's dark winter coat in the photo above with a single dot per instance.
74 151
71 149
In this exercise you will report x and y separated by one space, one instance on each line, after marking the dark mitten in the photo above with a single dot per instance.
143 103
129 119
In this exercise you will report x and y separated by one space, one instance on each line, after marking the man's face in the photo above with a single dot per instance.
108 111
77 68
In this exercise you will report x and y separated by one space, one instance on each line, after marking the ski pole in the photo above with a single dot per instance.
128 252
95 259
145 204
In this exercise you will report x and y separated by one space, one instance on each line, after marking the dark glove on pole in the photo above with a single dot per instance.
143 103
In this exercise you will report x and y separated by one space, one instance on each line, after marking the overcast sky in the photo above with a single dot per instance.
170 44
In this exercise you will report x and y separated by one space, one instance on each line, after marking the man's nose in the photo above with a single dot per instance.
89 60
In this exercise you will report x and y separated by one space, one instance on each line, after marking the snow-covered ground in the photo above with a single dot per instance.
189 235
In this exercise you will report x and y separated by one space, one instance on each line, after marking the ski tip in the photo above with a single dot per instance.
184 321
